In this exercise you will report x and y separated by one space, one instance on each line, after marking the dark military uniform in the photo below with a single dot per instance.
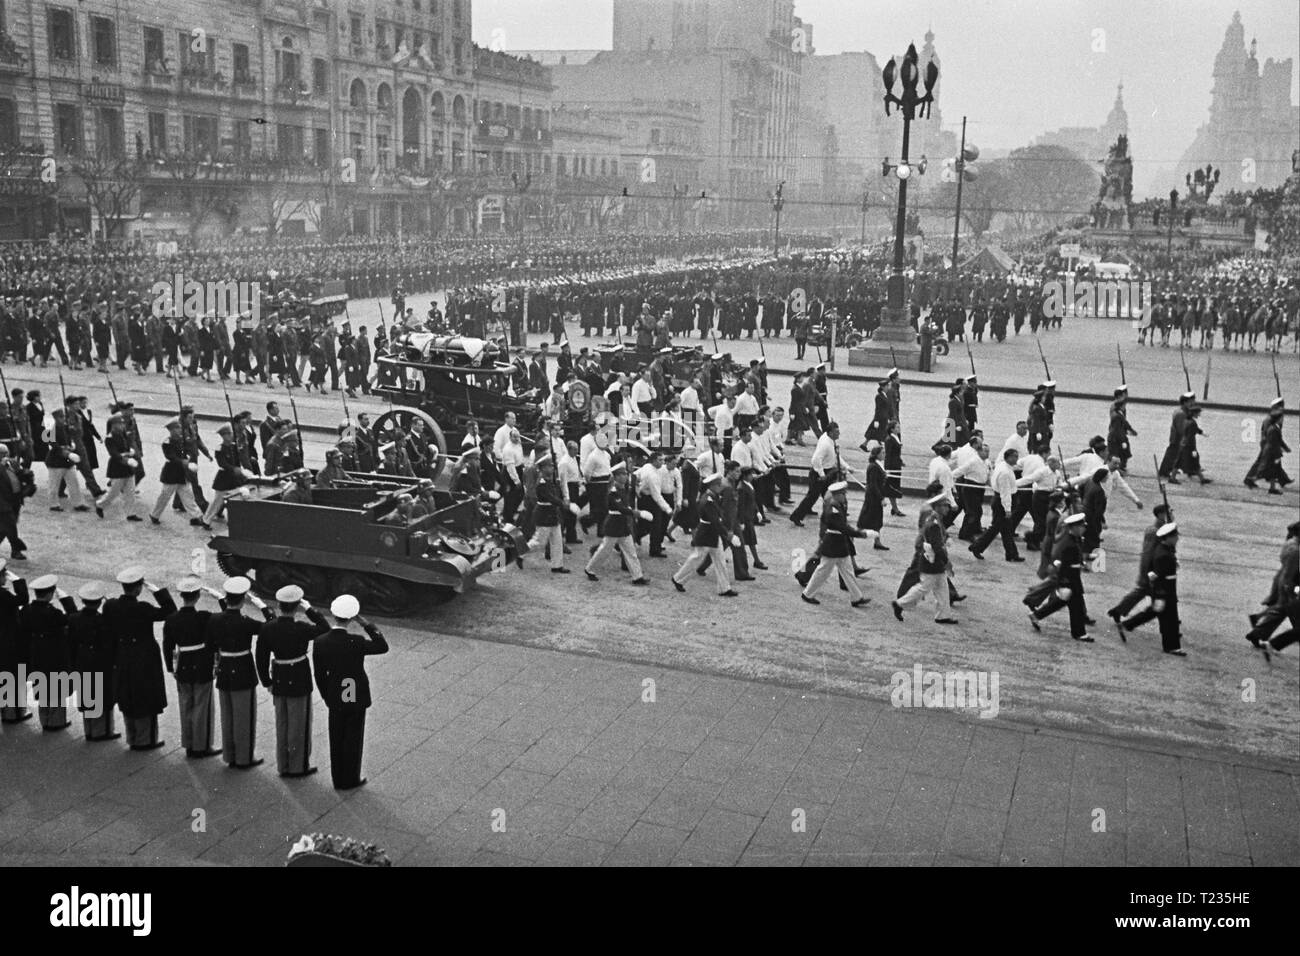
191 659
94 653
232 635
13 646
285 670
46 628
339 660
141 693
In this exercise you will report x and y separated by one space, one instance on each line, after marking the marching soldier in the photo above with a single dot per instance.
1281 603
1039 419
141 694
122 464
285 671
46 628
707 540
1177 426
13 642
232 635
931 561
175 477
1119 430
884 413
1163 581
616 530
1268 465
835 549
94 651
229 474
1142 589
191 658
1066 575
339 659
551 504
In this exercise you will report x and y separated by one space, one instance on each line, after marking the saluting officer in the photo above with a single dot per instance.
232 635
339 658
13 643
285 671
94 651
191 658
46 628
141 693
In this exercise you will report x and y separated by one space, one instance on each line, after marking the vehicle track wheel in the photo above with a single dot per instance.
388 424
389 596
230 565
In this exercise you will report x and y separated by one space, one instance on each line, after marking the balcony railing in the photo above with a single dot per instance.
244 84
12 57
292 91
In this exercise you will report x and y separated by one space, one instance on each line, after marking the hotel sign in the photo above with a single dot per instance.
104 92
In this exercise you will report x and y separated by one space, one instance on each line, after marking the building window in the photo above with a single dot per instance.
239 64
288 71
243 139
356 34
654 136
67 129
104 41
321 148
289 142
384 150
384 97
8 121
158 133
357 95
381 39
199 136
155 58
197 62
319 77
110 135
63 34
358 148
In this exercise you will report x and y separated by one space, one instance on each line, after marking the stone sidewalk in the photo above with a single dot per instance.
574 766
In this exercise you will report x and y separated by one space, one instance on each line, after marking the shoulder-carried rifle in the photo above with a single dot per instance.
1046 371
1119 356
1161 482
1187 378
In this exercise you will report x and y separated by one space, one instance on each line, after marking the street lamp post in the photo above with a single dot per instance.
866 204
963 171
1173 210
777 203
895 329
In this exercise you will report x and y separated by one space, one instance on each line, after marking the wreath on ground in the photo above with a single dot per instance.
326 849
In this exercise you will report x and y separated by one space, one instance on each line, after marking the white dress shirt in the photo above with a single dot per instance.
942 473
670 483
1034 471
512 459
746 404
500 438
1088 463
971 469
648 483
704 462
825 455
742 454
1004 484
723 419
1019 442
596 464
643 393
690 398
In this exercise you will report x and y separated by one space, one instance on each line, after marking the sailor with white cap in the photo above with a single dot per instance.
708 540
50 656
835 550
285 671
13 643
1163 580
616 530
338 657
1177 427
122 469
1065 572
141 691
931 560
94 651
231 633
191 658
1272 446
1119 429
230 473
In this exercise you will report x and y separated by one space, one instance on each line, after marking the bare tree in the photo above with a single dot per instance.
112 183
207 187
281 191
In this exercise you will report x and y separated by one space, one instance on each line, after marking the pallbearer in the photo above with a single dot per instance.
141 693
285 671
46 626
191 658
232 635
339 658
94 650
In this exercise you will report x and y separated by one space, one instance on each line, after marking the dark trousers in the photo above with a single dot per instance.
514 497
972 502
817 485
1039 502
1078 610
598 502
1170 633
347 730
1129 602
9 530
568 520
1272 616
1021 502
781 481
1169 463
200 498
1000 524
739 562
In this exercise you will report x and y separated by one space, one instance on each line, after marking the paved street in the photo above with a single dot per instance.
525 695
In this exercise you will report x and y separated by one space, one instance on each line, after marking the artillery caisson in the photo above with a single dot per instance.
443 382
339 544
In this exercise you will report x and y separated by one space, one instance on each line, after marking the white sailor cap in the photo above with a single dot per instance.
942 496
715 476
289 594
1186 396
345 607
46 582
237 586
1075 519
1050 383
91 591
762 360
666 350
892 372
839 486
1165 530
1277 402
190 585
1120 388
820 366
617 465
131 575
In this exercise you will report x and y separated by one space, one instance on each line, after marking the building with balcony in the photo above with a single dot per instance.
589 180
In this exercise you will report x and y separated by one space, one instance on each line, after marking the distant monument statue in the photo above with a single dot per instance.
1112 209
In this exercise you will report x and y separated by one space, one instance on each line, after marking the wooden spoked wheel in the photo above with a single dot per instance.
403 419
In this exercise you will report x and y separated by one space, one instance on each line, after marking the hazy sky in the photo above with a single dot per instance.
1015 67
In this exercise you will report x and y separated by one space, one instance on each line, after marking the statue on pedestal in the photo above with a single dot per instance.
1112 209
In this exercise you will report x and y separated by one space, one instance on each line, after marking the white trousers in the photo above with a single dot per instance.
214 506
123 488
186 496
74 488
625 547
696 558
936 585
553 537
